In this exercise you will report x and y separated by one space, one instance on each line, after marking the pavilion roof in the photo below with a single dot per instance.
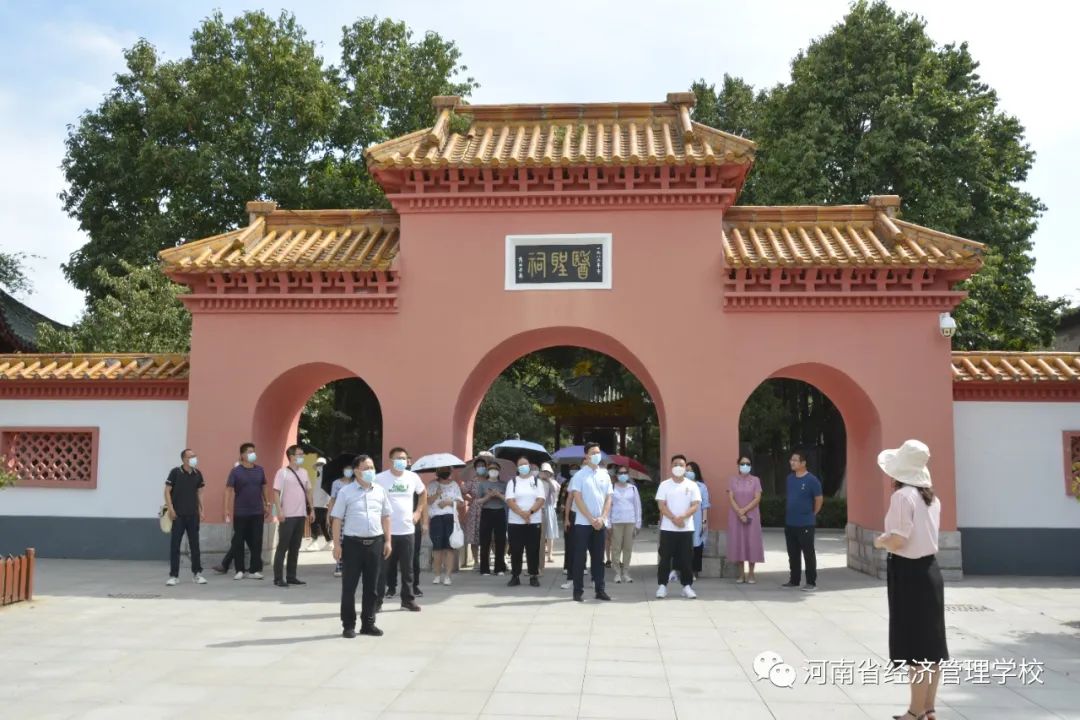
1015 367
492 136
294 240
840 236
94 366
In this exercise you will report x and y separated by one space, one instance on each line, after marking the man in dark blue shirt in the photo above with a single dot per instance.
804 501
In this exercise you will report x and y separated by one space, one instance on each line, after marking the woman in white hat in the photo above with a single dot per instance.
550 530
916 589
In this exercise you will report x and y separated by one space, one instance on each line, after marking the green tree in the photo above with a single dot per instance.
13 277
876 107
507 410
139 311
178 147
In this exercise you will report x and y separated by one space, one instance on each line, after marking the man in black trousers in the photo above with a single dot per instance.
401 485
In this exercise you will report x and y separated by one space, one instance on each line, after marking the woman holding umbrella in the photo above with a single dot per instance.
525 496
444 496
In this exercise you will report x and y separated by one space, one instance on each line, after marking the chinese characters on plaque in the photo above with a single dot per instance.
559 264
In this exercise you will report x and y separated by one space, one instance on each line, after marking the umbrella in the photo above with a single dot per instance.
431 463
335 469
628 462
575 454
513 449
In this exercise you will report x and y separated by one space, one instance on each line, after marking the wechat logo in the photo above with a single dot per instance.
769 665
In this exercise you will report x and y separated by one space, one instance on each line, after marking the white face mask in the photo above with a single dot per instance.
348 472
678 471
493 474
744 469
193 461
299 459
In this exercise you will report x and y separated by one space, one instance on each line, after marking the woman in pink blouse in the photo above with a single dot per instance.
915 586
744 541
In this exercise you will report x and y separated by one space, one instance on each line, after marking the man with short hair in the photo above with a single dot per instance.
590 493
183 501
804 501
247 503
418 539
401 485
292 490
678 499
361 520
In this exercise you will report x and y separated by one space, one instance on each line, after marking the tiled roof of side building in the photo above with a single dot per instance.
1015 367
562 134
839 236
97 366
278 239
19 324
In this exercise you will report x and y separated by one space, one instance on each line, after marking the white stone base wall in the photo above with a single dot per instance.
864 557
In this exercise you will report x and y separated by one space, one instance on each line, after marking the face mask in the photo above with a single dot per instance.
251 457
368 476
493 474
678 471
623 477
348 472
744 469
442 474
524 470
481 471
595 458
193 461
691 475
299 460
399 464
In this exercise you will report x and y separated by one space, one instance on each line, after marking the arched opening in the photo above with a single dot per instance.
327 407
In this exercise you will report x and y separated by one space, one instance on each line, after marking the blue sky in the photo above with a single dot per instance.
58 59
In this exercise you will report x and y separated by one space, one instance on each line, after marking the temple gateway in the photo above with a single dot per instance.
614 227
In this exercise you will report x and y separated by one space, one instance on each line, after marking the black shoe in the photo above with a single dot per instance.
790 584
371 630
608 564
391 592
348 633
294 581
281 583
378 606
601 595
410 606
534 581
514 581
579 597
220 569
417 592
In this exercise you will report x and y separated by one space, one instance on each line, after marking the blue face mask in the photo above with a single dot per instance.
193 462
623 477
348 472
524 470
691 475
251 457
744 469
595 458
368 476
299 459
399 464
481 471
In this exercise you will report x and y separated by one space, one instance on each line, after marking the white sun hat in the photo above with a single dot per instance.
907 464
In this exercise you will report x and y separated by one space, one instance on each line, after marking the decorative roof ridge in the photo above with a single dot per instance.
90 366
798 213
994 366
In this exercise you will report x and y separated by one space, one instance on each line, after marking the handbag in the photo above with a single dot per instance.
302 489
164 520
457 537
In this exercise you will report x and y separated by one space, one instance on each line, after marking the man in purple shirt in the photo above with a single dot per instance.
247 503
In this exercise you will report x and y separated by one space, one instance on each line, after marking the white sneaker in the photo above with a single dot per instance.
199 579
254 576
688 592
172 581
661 591
438 580
567 585
500 574
618 578
447 581
237 576
626 577
337 573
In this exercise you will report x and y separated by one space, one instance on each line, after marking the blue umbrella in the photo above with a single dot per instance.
575 454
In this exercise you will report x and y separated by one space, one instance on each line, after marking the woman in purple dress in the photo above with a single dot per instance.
744 541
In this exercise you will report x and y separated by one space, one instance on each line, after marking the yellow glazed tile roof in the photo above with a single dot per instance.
294 240
839 236
568 134
102 366
1015 367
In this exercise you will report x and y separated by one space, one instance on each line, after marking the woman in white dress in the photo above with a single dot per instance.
551 517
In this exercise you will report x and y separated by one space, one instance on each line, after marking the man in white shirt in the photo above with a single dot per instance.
590 493
361 518
402 486
678 498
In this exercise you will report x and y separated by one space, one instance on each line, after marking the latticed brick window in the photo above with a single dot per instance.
1072 463
51 457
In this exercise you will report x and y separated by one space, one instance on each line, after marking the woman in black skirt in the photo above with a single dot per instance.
916 590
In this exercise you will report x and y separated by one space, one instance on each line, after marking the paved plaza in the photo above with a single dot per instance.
107 639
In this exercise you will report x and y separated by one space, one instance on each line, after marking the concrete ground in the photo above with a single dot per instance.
109 640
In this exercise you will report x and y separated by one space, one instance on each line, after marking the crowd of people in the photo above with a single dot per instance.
375 522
